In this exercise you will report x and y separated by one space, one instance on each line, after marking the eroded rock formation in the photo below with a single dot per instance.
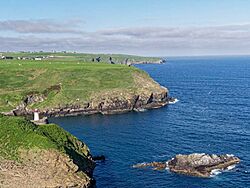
200 165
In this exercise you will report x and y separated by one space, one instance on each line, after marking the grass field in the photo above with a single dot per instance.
80 57
77 81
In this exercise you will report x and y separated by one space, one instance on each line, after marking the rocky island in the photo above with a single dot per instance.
199 165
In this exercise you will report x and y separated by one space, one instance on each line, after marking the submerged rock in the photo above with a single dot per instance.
200 165
99 158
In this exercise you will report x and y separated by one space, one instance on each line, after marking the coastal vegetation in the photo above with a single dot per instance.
74 80
26 148
38 151
62 84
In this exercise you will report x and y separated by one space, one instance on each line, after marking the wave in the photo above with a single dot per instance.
229 155
173 102
231 167
140 110
215 172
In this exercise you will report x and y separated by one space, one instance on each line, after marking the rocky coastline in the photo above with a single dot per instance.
106 105
161 61
69 169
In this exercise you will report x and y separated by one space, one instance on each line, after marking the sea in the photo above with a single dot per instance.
212 116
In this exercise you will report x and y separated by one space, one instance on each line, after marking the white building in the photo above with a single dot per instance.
36 115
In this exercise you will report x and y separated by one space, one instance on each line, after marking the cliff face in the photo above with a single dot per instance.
42 156
112 102
43 168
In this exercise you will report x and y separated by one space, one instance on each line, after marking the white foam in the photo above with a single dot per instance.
141 110
173 102
215 172
231 167
167 167
229 155
138 165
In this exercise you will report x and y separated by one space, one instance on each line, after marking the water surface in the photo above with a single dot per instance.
212 116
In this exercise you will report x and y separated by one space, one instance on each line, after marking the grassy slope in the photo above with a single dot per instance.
17 133
79 81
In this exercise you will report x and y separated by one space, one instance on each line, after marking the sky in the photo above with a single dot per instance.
140 27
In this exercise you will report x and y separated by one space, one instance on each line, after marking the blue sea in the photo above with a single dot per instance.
212 116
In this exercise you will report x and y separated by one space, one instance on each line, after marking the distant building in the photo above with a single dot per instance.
38 58
7 57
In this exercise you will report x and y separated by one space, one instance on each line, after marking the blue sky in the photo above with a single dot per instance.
143 27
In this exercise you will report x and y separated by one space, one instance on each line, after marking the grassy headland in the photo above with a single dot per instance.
67 83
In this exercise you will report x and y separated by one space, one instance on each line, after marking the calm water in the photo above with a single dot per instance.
212 116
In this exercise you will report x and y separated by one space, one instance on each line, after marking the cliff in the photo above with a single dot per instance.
42 156
68 88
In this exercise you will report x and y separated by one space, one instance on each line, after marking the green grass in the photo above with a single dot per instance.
82 57
79 81
17 134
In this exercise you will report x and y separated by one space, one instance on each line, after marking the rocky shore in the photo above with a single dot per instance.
133 62
199 165
107 103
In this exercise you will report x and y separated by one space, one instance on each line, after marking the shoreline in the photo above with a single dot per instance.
72 111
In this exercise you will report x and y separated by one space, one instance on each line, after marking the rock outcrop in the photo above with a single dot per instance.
200 165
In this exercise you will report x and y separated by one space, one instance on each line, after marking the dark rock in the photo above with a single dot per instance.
99 158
